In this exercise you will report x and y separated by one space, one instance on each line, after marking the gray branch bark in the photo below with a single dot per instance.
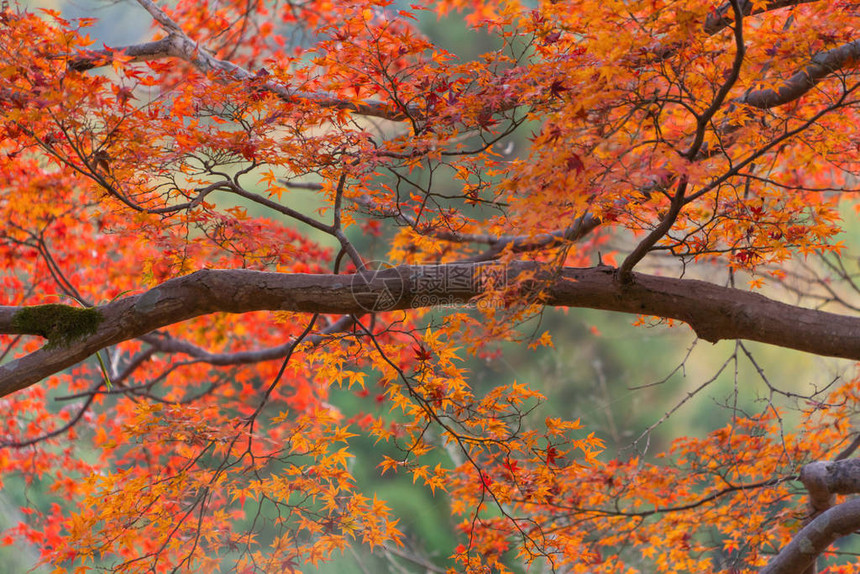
823 481
712 311
814 538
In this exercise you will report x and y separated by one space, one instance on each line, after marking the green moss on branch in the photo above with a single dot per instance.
62 325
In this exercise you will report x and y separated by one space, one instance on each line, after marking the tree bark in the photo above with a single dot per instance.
825 479
822 65
714 312
826 523
814 538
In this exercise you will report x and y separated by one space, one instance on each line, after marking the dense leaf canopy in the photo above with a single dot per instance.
208 233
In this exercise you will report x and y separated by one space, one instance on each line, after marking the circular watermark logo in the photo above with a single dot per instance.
377 286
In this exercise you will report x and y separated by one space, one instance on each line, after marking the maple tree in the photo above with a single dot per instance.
175 315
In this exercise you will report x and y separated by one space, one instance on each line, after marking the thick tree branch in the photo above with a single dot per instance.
814 538
825 479
714 312
823 64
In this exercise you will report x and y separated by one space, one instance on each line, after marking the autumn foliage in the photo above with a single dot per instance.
189 231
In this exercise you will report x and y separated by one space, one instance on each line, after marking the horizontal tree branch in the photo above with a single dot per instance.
714 312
